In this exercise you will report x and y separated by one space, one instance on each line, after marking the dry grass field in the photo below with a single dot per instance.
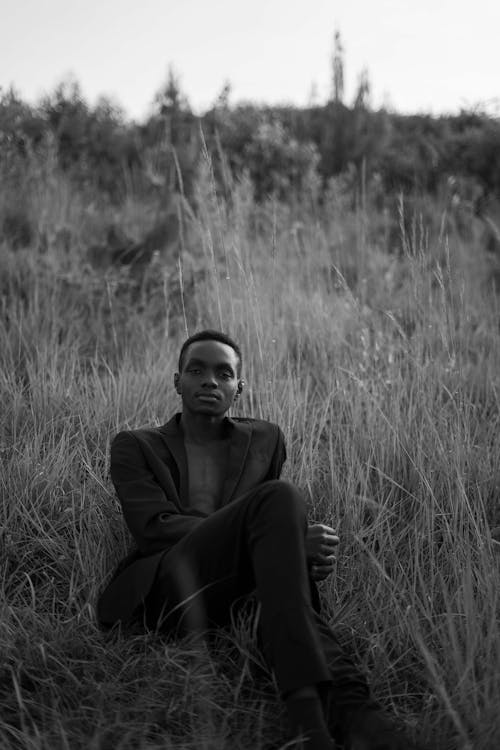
383 371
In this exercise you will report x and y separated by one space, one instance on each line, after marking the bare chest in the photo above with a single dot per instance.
207 466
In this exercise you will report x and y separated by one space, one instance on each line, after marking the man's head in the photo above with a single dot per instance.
210 335
209 373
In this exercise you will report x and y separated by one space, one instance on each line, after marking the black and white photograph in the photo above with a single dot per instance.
249 375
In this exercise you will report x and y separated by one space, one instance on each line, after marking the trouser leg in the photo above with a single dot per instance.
347 683
257 541
348 690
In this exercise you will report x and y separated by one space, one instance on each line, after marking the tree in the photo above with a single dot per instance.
278 163
222 101
363 93
170 138
170 100
21 126
338 68
313 95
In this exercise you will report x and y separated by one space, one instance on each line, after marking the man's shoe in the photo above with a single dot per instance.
371 729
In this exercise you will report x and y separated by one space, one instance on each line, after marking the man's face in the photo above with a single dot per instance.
208 382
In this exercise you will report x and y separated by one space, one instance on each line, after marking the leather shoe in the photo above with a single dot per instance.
369 729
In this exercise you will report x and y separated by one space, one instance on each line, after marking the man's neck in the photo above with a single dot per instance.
198 428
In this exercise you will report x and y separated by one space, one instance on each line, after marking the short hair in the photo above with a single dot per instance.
210 334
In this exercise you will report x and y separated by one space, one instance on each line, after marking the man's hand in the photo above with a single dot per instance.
321 542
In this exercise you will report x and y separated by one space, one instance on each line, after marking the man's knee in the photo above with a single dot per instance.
280 499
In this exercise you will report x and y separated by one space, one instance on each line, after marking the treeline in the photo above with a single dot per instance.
282 149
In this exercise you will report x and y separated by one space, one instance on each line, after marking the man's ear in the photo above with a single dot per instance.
177 383
241 383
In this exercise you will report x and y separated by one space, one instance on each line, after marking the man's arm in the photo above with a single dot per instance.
278 458
154 518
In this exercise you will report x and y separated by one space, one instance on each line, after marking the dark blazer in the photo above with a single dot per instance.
149 472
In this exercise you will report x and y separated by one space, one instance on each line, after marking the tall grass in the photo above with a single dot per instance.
383 371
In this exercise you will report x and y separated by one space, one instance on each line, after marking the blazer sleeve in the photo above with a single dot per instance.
151 511
278 457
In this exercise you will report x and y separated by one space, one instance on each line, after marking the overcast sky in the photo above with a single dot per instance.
422 55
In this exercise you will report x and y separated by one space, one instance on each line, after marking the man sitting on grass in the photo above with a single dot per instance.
213 523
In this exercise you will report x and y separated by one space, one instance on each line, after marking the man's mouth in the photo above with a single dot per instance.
207 396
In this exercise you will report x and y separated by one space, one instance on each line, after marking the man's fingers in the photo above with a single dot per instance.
320 529
320 572
325 560
329 543
323 534
328 535
321 542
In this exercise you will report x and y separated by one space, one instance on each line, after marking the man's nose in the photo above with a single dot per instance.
210 381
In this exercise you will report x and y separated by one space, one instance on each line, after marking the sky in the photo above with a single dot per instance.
435 56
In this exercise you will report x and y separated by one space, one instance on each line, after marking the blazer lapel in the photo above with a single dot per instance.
173 438
240 437
241 434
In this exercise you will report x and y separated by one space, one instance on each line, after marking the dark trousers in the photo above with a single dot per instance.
257 542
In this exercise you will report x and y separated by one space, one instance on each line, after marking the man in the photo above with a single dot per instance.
213 522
